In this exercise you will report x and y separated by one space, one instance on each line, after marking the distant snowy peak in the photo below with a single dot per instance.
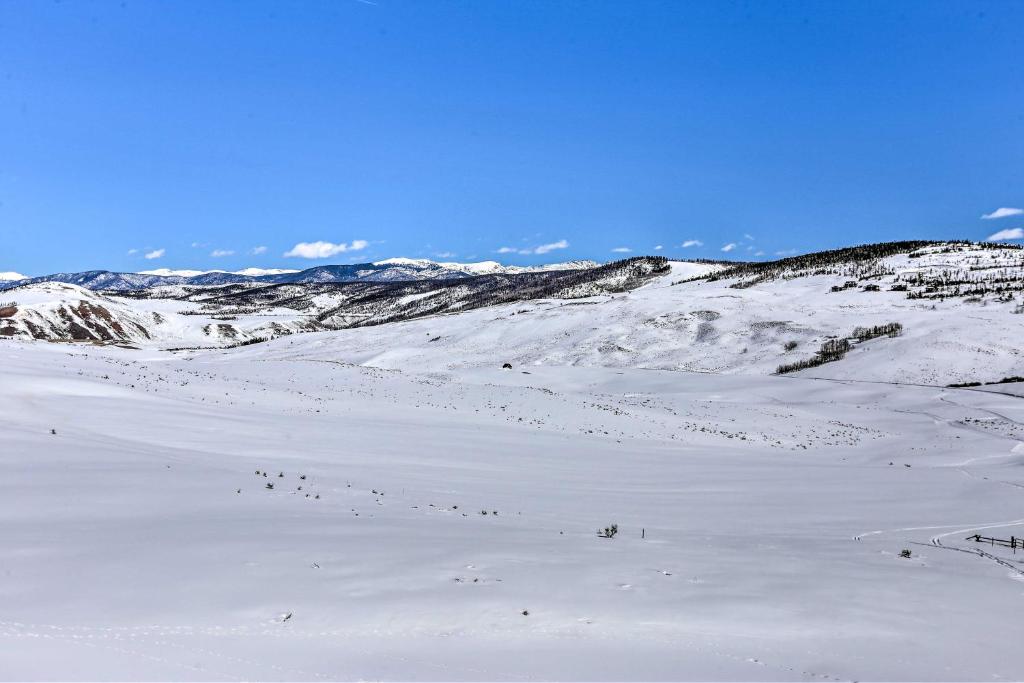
258 272
167 272
250 272
11 276
580 264
403 261
481 267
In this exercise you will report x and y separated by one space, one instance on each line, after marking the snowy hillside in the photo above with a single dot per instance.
686 321
62 312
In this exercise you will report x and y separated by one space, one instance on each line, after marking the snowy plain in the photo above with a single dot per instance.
139 542
446 524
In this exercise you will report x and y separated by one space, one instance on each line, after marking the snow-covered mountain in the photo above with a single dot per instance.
390 270
11 276
426 266
176 315
251 272
62 312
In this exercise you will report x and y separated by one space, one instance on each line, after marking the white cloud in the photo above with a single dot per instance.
692 243
256 251
529 251
217 253
658 248
545 248
1002 212
445 254
785 252
747 236
729 247
156 253
132 252
324 249
1009 234
622 250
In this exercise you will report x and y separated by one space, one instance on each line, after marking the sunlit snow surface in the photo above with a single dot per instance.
139 542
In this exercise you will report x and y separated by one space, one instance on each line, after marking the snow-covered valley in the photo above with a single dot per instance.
388 502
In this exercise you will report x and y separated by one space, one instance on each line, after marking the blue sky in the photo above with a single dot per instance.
198 133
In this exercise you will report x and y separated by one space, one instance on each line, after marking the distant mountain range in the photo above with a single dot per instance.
236 313
390 270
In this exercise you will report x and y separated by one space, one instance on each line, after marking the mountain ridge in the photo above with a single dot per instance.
393 270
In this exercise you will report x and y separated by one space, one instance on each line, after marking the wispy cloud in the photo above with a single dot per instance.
156 253
786 252
1009 234
218 253
658 248
445 254
747 236
321 249
256 251
540 249
545 248
622 250
729 247
132 252
692 243
1002 212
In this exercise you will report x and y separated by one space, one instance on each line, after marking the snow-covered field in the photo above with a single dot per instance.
760 518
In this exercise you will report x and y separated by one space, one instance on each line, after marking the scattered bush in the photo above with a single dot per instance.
887 330
835 349
1006 380
247 342
830 351
608 531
